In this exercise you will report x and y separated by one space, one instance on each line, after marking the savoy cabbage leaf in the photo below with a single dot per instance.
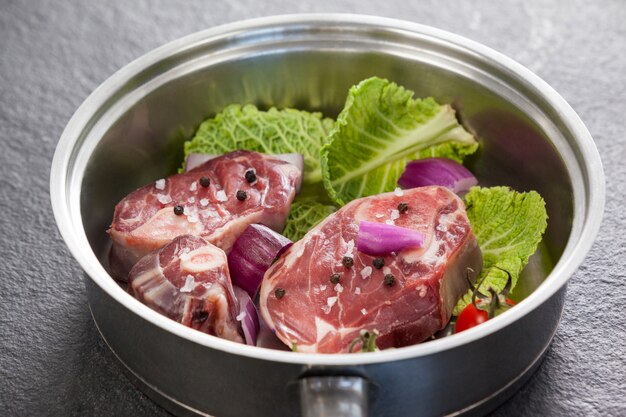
271 132
304 215
380 129
508 226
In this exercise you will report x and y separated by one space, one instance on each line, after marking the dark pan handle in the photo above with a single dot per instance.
333 396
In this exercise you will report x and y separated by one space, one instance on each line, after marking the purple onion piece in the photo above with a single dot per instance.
267 337
247 316
381 238
437 171
252 254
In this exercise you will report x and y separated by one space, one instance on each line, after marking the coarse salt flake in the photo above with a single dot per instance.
379 215
422 290
386 270
366 272
395 214
241 316
322 287
193 186
204 202
191 200
357 290
349 248
189 284
363 311
164 198
206 214
339 288
192 218
221 195
390 222
398 192
330 301
159 184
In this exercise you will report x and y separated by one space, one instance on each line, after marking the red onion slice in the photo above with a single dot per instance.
267 338
381 238
253 253
248 316
437 171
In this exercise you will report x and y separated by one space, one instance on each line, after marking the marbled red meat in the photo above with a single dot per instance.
145 220
320 316
187 280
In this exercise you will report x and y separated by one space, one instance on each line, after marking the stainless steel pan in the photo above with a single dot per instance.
129 132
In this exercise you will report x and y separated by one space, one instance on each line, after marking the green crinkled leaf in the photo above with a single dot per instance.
270 132
303 216
508 226
380 129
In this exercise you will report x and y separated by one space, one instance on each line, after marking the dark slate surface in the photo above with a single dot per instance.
53 54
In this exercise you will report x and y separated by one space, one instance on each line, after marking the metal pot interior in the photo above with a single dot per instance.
145 122
130 132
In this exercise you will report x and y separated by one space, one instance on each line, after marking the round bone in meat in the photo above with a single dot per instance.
187 280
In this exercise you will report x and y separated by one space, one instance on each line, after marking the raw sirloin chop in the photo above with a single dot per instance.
188 281
216 200
313 314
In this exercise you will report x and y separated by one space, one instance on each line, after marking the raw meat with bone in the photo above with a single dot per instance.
305 308
145 219
188 281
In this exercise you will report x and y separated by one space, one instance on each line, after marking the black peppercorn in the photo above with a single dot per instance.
335 278
389 280
250 176
241 195
279 293
378 263
403 207
178 210
347 261
205 181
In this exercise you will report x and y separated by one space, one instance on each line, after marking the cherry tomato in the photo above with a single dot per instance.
470 317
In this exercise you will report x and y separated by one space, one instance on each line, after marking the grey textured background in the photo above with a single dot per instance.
53 54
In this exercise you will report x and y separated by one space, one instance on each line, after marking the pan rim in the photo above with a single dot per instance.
588 218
